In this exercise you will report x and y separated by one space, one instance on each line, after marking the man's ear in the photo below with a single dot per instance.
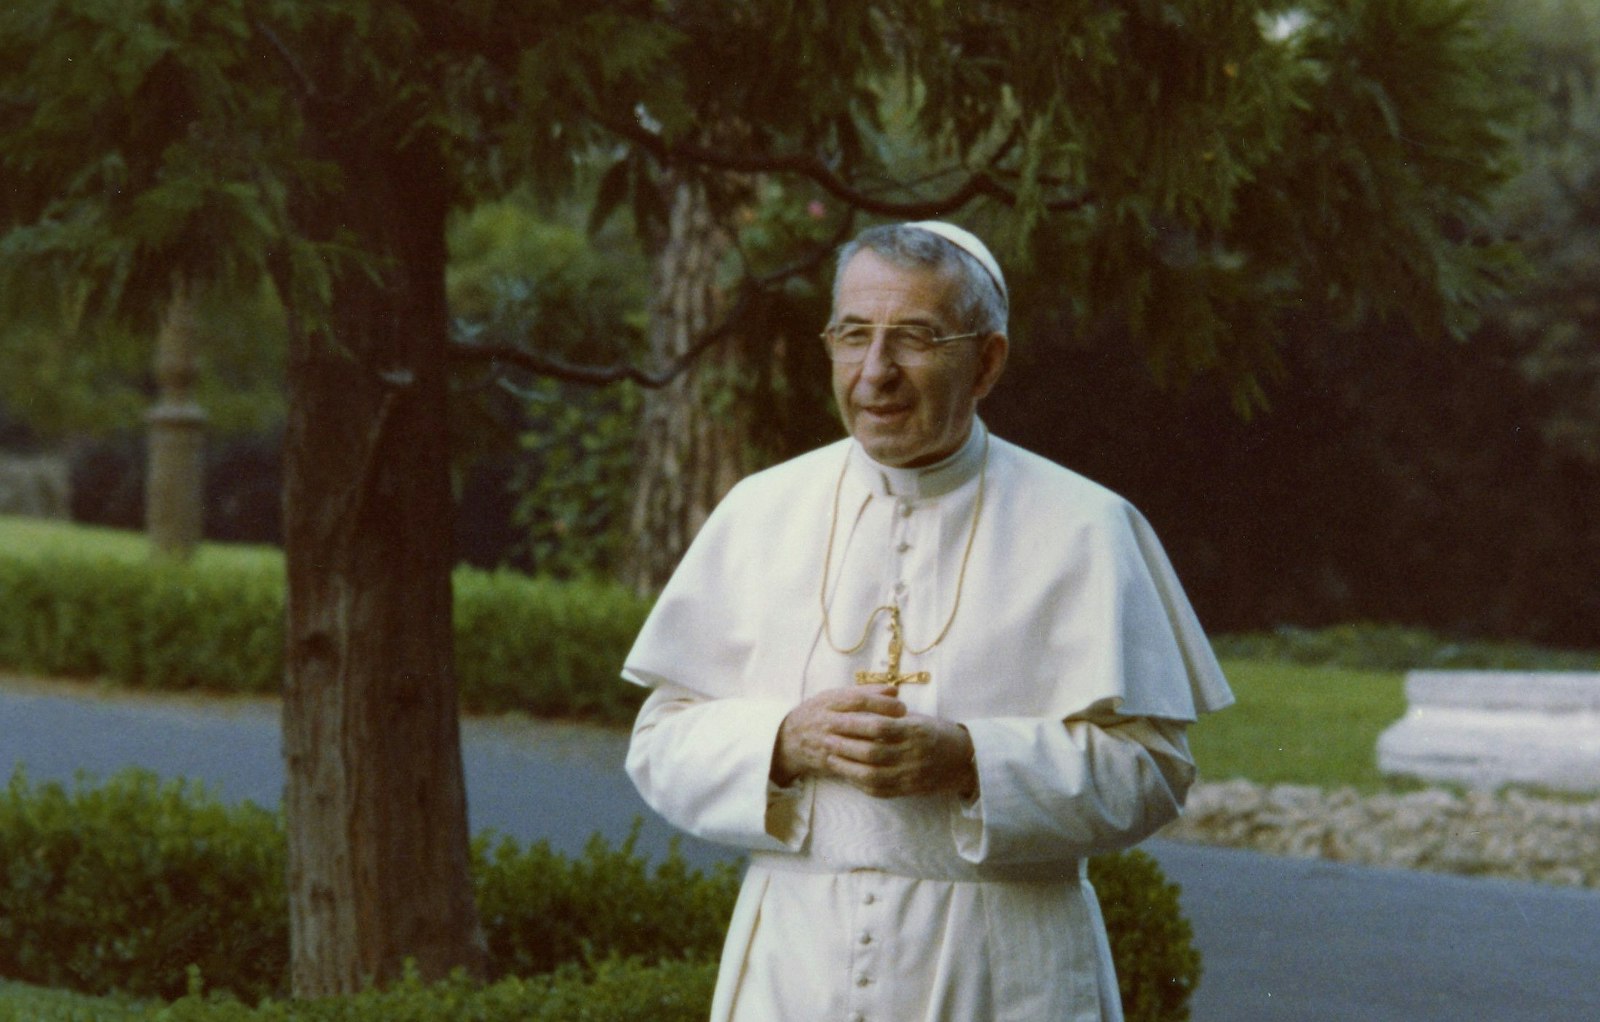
992 352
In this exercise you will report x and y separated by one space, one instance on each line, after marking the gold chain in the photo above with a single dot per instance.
961 577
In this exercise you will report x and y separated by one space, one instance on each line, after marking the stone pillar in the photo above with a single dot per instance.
175 482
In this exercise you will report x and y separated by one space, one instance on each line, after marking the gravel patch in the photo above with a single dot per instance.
1511 834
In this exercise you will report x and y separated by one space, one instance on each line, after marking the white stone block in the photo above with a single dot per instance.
1489 728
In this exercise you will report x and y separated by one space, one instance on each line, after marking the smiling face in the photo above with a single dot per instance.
909 416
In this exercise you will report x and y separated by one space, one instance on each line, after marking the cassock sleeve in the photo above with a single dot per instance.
1050 789
703 764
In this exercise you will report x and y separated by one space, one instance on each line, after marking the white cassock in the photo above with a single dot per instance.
1074 661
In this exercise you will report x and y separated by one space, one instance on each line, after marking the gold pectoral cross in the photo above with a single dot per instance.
893 676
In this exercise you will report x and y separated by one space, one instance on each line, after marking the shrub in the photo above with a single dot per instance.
84 602
541 910
22 1003
123 886
545 647
1158 966
613 991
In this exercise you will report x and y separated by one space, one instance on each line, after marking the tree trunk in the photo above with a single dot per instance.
375 798
693 434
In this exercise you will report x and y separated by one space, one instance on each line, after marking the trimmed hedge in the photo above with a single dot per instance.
545 647
542 911
145 888
123 886
85 602
612 991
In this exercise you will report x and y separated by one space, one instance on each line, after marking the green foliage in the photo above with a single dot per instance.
72 382
574 484
1550 319
84 602
1226 168
615 991
1410 112
541 910
1158 966
133 884
1239 162
150 137
141 140
535 278
77 378
20 1002
532 279
241 341
545 647
124 886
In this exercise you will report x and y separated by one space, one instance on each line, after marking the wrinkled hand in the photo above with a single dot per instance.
865 736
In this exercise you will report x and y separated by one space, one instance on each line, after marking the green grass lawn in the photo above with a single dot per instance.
1299 725
40 536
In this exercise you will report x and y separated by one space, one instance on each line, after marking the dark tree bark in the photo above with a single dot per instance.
694 436
376 803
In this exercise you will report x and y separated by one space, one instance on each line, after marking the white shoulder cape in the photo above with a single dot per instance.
1070 605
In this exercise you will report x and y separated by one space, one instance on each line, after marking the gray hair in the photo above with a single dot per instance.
979 302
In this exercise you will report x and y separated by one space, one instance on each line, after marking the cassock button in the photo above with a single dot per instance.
905 510
869 899
903 547
863 979
866 938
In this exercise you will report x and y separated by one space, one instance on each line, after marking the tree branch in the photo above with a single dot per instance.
308 88
605 375
601 376
815 169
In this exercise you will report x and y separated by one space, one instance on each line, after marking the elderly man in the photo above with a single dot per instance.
921 674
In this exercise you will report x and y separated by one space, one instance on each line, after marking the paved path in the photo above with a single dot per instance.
1283 939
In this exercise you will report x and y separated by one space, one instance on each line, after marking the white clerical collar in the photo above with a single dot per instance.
928 481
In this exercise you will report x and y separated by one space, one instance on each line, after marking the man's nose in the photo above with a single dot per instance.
878 364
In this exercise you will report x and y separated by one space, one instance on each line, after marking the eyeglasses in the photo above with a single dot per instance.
904 344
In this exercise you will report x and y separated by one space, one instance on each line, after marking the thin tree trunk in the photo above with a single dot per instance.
375 798
694 434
